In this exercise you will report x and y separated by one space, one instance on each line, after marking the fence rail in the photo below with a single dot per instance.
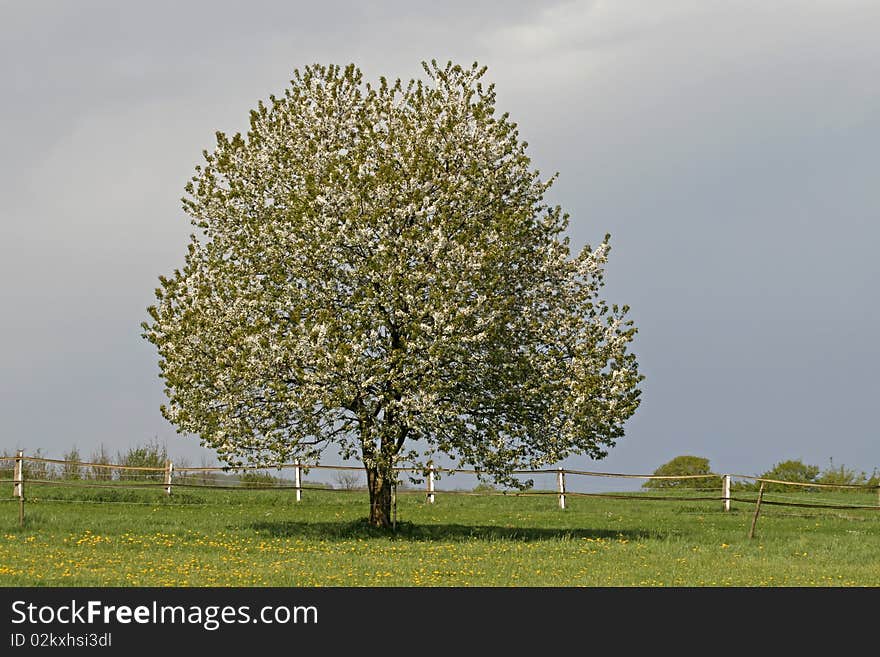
85 474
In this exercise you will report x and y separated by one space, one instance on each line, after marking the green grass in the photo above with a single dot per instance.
107 537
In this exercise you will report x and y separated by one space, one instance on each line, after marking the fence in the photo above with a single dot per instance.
80 474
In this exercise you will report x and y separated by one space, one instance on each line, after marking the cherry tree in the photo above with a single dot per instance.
375 267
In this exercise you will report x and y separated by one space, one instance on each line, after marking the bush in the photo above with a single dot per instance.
793 470
349 480
99 471
151 455
7 468
39 470
257 480
682 466
843 476
69 471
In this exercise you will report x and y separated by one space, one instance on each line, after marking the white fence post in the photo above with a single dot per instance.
18 485
169 470
430 484
560 484
725 491
297 480
18 475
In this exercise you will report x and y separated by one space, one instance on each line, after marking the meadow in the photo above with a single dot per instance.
74 537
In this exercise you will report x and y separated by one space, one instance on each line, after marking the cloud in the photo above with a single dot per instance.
728 146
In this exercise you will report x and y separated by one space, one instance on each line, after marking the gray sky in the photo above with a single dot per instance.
731 148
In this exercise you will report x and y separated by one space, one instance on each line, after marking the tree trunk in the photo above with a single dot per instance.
379 485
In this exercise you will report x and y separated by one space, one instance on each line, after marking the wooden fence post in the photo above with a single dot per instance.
18 485
725 491
394 506
430 484
560 484
169 470
297 480
757 510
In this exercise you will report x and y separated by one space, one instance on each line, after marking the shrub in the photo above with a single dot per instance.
151 455
39 470
682 466
7 468
99 471
257 480
349 480
843 476
70 471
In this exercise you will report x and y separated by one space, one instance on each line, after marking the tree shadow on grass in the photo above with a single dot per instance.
441 532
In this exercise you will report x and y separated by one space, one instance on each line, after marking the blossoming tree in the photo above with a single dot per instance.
375 268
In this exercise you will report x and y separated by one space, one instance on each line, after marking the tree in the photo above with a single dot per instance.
152 455
685 465
793 470
843 476
100 468
70 468
375 267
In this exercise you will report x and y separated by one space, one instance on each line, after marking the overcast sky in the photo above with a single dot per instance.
731 148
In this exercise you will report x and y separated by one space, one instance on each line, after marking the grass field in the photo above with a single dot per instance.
263 538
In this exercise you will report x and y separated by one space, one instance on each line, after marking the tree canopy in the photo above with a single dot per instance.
793 470
681 466
375 265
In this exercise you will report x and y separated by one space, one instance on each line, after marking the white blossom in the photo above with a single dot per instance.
376 264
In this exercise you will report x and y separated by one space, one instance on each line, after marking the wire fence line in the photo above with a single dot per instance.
38 470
